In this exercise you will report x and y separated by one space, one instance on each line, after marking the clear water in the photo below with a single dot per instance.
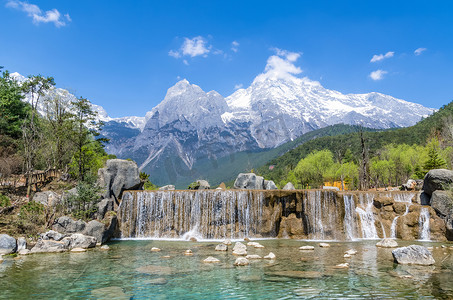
114 274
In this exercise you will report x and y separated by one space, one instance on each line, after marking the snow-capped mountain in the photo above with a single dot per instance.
191 125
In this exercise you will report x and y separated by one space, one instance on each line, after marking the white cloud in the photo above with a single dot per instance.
234 46
419 51
380 57
280 66
197 46
38 16
378 74
238 86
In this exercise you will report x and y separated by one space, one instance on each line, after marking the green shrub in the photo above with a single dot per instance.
83 202
32 212
4 201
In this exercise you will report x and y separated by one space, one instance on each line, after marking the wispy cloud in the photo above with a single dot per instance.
419 51
379 57
238 86
197 46
235 46
38 16
378 75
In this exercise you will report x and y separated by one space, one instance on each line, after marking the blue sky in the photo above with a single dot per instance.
124 55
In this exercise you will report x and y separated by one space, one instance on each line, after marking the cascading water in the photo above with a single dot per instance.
404 198
366 216
202 214
321 213
423 224
350 219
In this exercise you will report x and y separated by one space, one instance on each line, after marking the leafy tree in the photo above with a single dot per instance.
12 109
313 169
83 202
60 130
148 185
35 87
86 129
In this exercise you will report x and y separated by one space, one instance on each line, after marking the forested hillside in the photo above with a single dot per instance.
433 132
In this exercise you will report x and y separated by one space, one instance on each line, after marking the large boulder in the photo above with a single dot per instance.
21 244
102 231
47 198
8 244
249 181
270 185
442 202
437 179
119 175
289 187
199 185
65 224
51 246
52 235
104 206
78 240
413 254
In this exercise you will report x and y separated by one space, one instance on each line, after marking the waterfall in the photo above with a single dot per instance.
321 214
350 218
405 198
423 224
212 214
366 216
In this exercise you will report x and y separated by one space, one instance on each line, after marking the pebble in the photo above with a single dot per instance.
307 248
351 252
23 252
193 239
78 250
253 256
105 247
211 259
347 255
246 239
241 261
324 245
157 281
188 252
342 266
270 256
154 249
227 242
259 246
221 247
166 256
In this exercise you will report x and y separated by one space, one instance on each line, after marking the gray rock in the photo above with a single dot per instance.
7 244
104 206
437 179
47 198
289 186
67 225
21 244
117 176
387 243
167 188
442 202
270 185
203 185
425 199
102 232
43 246
249 181
221 247
413 254
78 240
52 235
241 261
410 185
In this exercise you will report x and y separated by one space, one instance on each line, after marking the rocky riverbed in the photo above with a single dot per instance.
130 269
